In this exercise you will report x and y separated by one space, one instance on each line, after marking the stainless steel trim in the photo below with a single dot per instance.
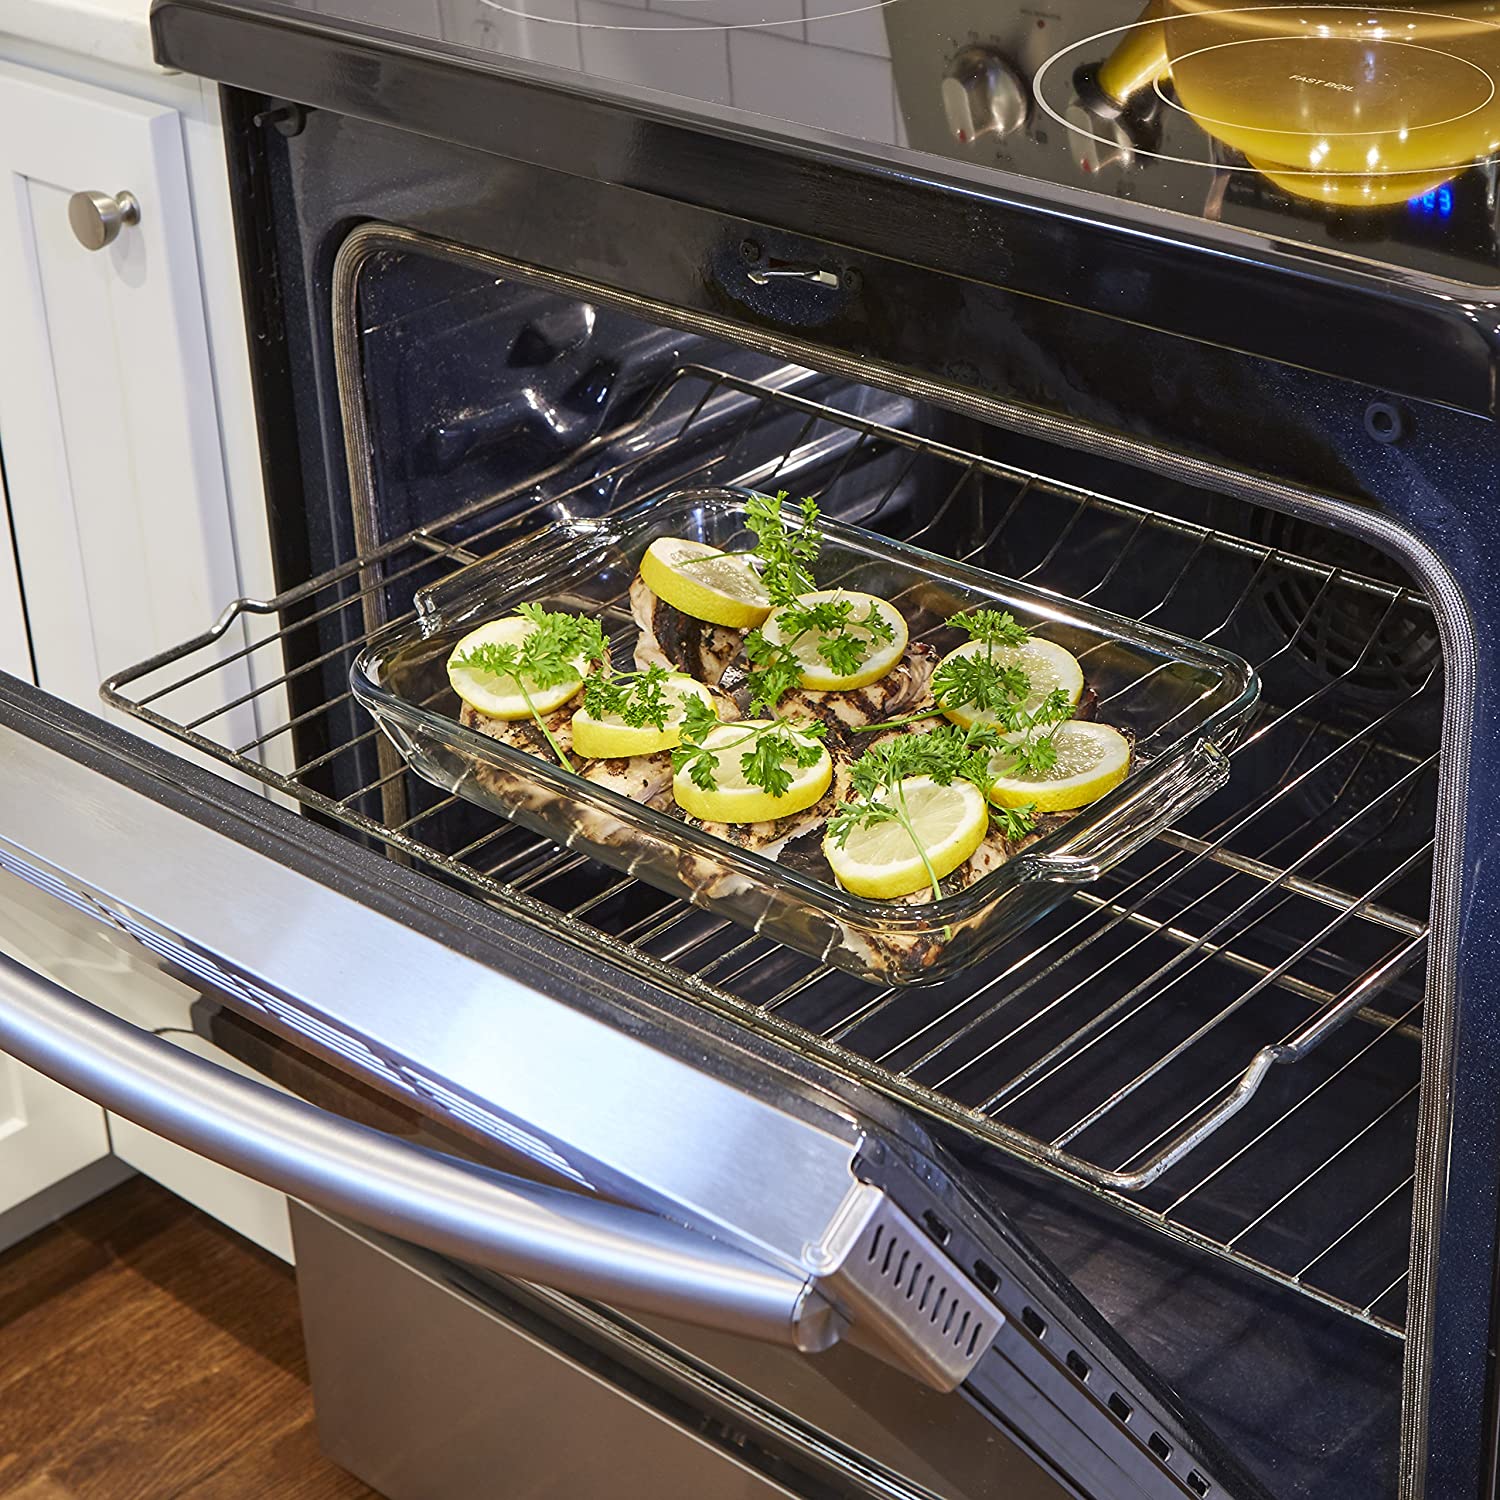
767 1193
564 1240
771 1170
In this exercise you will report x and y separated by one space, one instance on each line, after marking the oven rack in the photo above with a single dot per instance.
1176 1040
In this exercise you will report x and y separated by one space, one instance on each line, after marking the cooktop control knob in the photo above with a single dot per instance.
1097 145
983 95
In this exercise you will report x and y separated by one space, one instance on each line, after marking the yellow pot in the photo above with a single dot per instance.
1337 102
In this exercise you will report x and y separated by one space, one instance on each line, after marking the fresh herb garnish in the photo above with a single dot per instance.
766 750
774 672
636 698
946 754
786 554
844 643
698 721
1033 751
783 555
978 682
1014 823
995 627
546 658
975 679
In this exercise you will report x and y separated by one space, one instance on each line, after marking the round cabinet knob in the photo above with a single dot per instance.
98 218
983 95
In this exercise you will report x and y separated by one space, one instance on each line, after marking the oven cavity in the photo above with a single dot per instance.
1219 1038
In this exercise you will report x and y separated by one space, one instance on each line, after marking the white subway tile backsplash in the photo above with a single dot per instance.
398 15
848 24
900 136
782 16
656 49
818 86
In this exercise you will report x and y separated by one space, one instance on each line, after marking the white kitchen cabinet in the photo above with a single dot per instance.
108 420
48 1135
134 502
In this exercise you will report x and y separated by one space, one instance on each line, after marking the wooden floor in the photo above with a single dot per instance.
146 1353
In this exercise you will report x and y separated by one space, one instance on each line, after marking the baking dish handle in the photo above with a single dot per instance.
1159 797
564 1240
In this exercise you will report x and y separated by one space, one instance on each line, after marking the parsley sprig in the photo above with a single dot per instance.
1033 745
786 553
636 698
545 658
766 750
783 555
976 679
946 754
844 640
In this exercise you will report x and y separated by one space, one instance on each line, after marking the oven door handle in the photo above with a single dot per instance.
560 1239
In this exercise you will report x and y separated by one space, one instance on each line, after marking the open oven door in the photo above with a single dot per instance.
672 1169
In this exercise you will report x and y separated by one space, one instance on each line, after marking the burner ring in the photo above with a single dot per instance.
686 26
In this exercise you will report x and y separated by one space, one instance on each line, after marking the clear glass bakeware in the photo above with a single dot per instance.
1183 701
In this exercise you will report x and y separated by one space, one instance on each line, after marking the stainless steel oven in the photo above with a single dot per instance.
1190 1190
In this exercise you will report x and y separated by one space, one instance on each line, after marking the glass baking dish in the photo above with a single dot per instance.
1183 702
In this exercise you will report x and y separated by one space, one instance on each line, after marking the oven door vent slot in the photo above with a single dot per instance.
899 1286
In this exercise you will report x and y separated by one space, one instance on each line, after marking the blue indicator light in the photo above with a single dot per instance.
1435 203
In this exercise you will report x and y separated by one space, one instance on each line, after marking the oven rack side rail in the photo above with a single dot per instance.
1000 1059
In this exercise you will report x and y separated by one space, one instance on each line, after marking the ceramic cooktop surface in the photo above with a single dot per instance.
1371 129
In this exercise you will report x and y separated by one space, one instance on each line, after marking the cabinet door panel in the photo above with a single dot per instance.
118 541
108 419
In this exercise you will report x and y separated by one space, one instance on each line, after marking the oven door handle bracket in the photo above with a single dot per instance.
559 1239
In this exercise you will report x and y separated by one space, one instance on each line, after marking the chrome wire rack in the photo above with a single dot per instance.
1221 1038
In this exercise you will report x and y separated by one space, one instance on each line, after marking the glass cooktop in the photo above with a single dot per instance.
1371 129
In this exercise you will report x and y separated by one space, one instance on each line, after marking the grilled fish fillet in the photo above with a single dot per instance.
524 734
709 881
646 779
899 692
672 639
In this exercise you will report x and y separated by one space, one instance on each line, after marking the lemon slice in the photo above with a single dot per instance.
1045 664
500 697
881 860
1092 759
609 736
816 673
705 582
736 800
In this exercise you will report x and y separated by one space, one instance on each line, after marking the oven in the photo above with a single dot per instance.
1188 1190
